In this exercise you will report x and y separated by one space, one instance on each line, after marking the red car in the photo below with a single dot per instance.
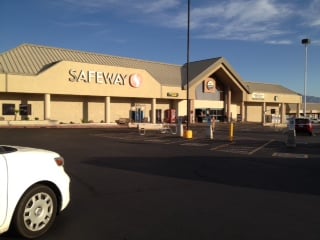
304 125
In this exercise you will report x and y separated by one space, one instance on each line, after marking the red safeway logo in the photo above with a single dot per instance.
135 80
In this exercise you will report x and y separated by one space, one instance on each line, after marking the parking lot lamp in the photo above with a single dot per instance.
305 42
188 65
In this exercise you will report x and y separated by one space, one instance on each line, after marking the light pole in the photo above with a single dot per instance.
188 133
305 42
188 63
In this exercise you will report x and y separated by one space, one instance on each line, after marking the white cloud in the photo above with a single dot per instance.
279 42
155 6
248 20
313 14
242 19
143 6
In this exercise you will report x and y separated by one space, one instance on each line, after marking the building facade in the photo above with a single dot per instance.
46 83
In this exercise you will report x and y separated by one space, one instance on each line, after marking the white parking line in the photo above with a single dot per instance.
194 144
259 148
156 140
220 146
289 155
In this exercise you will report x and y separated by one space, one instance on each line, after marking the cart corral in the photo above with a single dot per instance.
160 127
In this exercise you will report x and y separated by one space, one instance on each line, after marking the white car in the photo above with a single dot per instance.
34 188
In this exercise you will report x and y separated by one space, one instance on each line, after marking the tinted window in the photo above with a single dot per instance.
302 121
8 109
6 149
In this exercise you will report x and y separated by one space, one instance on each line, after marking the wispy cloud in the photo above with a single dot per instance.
279 42
312 15
158 6
250 20
134 6
78 24
270 21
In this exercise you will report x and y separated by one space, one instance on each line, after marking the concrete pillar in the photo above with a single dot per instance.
153 110
298 110
107 110
263 113
229 105
283 113
47 106
242 111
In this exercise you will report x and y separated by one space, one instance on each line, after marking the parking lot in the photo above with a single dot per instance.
161 186
248 139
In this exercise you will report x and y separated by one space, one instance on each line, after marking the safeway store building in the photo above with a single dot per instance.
46 83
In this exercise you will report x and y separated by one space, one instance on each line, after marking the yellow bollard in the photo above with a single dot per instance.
188 134
231 132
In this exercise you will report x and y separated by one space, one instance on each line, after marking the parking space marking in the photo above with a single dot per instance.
259 148
175 142
290 155
241 148
157 140
220 146
194 144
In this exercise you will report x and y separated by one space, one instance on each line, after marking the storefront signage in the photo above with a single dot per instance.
97 77
135 80
257 96
209 85
172 94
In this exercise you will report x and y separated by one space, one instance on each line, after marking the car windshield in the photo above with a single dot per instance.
302 121
6 149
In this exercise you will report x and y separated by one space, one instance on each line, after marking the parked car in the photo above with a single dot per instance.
304 125
34 188
315 120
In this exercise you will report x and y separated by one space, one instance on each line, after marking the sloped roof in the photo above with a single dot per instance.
267 88
204 67
197 67
31 59
314 107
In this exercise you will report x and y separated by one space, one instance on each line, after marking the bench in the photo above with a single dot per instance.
123 121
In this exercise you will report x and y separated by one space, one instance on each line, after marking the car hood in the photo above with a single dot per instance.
26 150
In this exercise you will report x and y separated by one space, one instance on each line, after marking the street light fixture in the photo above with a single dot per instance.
305 42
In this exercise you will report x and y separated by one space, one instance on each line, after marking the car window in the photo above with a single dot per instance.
302 121
6 149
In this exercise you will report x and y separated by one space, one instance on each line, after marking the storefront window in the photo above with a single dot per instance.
8 109
25 109
204 115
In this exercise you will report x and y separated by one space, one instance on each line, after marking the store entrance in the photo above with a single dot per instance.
204 114
138 114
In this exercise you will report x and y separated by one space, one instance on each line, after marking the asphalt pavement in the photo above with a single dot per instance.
160 186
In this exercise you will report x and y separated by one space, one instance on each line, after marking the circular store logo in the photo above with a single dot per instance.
135 80
210 85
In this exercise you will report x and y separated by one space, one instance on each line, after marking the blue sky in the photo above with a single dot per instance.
261 39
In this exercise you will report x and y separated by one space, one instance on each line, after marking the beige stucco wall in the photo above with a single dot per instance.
78 93
274 97
254 112
58 80
234 111
14 98
165 90
79 90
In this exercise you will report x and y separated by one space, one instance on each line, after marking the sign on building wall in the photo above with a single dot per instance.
257 96
209 85
110 78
